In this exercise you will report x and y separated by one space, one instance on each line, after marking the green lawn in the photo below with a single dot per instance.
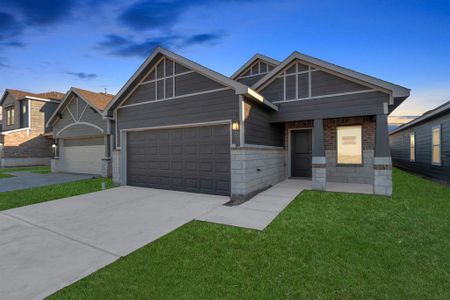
31 169
4 175
50 192
323 246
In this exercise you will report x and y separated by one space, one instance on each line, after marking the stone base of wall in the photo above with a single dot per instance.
319 173
350 174
54 165
255 169
382 169
24 162
115 166
106 167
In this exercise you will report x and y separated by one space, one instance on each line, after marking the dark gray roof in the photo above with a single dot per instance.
427 115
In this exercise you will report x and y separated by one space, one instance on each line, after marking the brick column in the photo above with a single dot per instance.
319 171
382 164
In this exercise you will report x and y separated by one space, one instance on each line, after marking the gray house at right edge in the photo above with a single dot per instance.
422 145
179 125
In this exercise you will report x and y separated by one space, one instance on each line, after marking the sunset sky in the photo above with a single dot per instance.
92 44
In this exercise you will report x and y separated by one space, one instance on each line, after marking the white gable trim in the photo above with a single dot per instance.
79 123
250 62
396 90
62 104
238 87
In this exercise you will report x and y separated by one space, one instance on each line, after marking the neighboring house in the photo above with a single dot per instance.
423 145
82 134
24 138
182 126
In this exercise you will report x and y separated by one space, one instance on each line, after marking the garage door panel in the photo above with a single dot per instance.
82 155
194 159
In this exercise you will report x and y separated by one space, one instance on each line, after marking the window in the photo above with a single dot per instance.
9 116
349 145
412 146
436 145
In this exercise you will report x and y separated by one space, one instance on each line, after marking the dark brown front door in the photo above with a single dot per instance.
301 153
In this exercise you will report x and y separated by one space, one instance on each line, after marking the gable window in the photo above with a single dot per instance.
412 146
436 145
9 116
349 145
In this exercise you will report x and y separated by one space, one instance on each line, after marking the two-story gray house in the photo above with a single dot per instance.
25 140
182 126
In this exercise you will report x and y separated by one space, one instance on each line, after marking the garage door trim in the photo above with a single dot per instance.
123 139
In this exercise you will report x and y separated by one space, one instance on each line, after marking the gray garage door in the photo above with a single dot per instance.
192 159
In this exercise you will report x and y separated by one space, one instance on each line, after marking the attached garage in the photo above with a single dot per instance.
82 155
191 159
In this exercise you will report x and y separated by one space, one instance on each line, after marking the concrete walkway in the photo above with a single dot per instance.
261 210
48 246
26 180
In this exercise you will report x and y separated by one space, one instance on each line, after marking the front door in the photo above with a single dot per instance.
301 153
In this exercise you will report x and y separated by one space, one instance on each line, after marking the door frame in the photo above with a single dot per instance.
123 142
290 148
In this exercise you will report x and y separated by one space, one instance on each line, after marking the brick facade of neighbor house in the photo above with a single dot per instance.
30 144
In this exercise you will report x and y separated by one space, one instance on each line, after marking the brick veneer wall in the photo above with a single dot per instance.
29 143
368 131
25 144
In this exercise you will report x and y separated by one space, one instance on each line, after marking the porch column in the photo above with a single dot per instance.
382 164
106 161
319 171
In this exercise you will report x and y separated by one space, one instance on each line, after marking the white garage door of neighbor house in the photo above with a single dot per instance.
82 155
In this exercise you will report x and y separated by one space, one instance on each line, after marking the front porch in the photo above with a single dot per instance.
341 154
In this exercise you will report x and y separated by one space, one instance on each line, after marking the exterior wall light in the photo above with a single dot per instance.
54 146
235 125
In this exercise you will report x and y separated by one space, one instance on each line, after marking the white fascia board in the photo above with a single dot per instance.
397 90
251 60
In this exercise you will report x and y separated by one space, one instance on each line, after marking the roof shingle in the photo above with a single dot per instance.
99 100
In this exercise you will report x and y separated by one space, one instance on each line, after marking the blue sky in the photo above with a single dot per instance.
93 44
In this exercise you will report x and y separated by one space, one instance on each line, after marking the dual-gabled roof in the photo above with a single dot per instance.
97 101
240 89
19 94
395 90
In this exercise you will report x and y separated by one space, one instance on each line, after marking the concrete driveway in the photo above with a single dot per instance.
47 246
26 180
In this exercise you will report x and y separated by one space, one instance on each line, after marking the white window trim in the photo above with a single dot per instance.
440 145
414 135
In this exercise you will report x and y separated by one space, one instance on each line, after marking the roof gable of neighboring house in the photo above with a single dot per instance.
257 65
19 94
78 103
438 111
331 72
163 76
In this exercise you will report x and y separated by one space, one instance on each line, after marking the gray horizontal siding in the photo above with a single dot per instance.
184 84
249 81
258 129
275 90
323 83
89 116
216 106
331 107
84 142
79 130
423 157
